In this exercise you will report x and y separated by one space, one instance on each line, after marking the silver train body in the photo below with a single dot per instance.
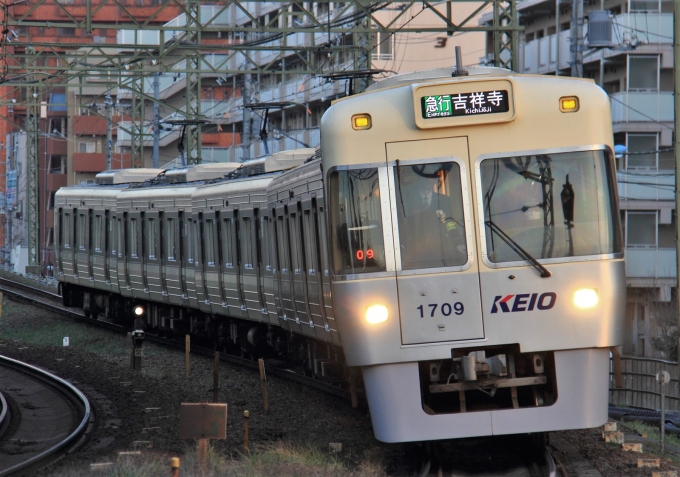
458 240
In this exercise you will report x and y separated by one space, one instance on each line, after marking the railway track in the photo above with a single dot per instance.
52 302
517 466
43 417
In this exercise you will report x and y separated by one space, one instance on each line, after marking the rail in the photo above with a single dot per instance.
71 390
640 388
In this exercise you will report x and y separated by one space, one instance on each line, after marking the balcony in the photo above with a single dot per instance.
642 106
540 56
644 185
89 125
89 162
55 181
650 263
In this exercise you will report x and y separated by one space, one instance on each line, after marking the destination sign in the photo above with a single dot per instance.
465 104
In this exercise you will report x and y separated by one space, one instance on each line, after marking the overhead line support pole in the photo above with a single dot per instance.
193 88
676 144
34 96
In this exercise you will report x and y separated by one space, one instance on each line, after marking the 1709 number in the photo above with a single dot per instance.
445 309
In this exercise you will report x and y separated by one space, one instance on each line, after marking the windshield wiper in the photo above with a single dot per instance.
545 273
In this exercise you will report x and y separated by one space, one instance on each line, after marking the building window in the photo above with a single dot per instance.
63 31
86 147
382 46
643 73
647 6
642 151
641 229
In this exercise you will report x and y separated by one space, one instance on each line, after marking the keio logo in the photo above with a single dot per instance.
524 302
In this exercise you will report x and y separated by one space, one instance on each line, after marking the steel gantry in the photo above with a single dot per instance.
230 32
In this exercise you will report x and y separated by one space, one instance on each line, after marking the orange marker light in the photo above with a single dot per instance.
569 104
361 121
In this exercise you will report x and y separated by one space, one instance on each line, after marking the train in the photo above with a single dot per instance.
456 239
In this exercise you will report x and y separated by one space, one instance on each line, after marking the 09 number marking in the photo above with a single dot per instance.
445 309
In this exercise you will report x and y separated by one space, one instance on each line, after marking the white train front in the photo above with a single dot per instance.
458 241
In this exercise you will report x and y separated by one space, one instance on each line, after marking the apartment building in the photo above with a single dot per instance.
63 153
636 70
297 102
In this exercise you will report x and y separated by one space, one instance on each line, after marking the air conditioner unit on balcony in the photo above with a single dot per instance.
600 29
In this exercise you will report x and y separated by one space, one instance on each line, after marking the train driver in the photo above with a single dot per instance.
431 224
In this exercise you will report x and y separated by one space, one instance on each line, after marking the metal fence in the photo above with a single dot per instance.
640 387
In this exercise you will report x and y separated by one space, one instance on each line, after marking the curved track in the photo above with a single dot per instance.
46 417
52 302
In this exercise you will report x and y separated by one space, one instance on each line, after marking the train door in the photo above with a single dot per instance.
182 233
437 276
284 274
297 265
271 285
250 267
107 247
98 254
324 275
313 270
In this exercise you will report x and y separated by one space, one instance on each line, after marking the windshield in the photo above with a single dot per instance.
552 205
356 223
430 216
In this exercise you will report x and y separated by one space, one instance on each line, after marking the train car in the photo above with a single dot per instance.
477 261
457 240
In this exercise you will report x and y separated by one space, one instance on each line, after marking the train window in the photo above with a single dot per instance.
210 242
190 247
151 238
295 242
113 234
430 216
195 243
97 228
247 241
65 229
228 243
132 239
356 221
170 239
121 238
282 242
551 205
82 231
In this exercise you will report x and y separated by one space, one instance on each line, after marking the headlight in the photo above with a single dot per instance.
138 310
376 314
586 298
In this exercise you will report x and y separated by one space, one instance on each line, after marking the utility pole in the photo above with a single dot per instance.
676 144
577 38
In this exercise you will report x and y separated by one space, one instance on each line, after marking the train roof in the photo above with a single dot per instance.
126 176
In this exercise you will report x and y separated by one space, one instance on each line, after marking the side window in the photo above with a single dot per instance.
151 238
247 243
121 237
132 238
209 233
282 243
82 231
97 236
228 242
64 230
113 236
170 238
189 239
195 241
356 222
